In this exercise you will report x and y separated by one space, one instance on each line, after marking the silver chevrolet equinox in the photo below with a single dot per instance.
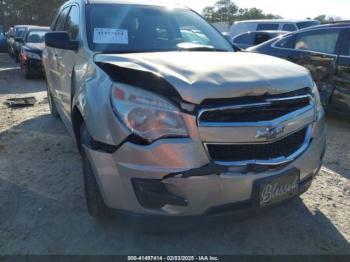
171 120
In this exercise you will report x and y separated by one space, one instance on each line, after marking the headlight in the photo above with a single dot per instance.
32 55
147 115
317 98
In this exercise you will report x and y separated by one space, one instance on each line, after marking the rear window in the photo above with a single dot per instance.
262 27
36 36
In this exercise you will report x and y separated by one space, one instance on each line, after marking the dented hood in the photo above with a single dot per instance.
201 75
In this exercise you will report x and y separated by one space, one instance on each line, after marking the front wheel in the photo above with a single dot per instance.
16 57
95 203
26 71
11 53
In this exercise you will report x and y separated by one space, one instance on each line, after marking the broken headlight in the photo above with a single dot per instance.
146 114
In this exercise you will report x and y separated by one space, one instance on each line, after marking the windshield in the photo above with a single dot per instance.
126 28
303 25
36 37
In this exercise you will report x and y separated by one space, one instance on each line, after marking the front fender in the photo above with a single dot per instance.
92 99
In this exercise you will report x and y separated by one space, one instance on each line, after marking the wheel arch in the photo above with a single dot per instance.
77 121
77 118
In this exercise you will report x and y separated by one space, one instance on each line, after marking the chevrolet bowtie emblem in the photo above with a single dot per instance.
270 132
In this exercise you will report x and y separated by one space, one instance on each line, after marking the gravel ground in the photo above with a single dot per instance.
42 206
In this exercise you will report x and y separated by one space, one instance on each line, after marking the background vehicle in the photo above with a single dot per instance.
31 51
325 51
170 127
10 40
241 27
3 42
250 39
17 42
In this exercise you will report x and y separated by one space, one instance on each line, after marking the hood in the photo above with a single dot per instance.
201 75
39 47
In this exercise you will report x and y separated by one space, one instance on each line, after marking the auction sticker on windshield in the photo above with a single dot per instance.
111 36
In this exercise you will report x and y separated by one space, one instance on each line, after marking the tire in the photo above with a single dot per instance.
16 57
95 203
10 53
52 104
26 71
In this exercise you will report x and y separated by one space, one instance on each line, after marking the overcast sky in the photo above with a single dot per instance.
290 9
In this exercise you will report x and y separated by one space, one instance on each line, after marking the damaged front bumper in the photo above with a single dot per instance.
174 177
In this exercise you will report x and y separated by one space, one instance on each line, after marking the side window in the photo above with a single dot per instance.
286 42
61 20
261 38
289 27
246 39
323 41
262 27
72 24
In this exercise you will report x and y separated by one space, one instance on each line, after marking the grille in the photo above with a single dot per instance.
245 152
253 109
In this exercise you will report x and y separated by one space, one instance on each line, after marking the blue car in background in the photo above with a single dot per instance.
3 40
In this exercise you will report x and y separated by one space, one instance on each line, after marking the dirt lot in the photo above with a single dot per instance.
42 206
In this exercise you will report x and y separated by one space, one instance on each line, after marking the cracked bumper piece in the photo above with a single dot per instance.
166 178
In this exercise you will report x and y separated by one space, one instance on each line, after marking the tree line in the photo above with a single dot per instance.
228 11
41 12
33 12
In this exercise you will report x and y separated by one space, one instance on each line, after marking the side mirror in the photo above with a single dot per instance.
19 39
61 40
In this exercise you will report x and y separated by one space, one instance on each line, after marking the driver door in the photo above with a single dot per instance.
67 60
52 62
341 95
315 49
